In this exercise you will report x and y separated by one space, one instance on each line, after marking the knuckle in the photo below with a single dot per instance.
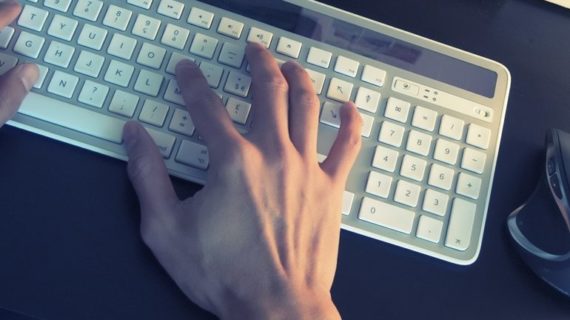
307 98
139 167
276 82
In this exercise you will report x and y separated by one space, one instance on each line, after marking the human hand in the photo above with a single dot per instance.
16 83
260 240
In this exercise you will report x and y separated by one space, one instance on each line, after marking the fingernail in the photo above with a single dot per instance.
130 133
28 74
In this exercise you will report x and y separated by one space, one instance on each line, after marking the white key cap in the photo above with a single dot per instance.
232 55
330 114
367 99
441 177
60 5
93 94
175 36
238 84
340 90
468 185
173 93
154 112
88 9
174 59
367 124
119 73
62 27
171 8
124 103
146 27
149 83
391 134
413 168
204 46
63 84
59 54
289 47
373 75
212 72
451 127
379 184
29 45
260 36
473 160
319 57
407 193
385 159
33 18
346 66
145 4
122 46
117 17
201 18
446 151
92 37
347 200
89 64
230 28
41 79
478 136
460 225
419 143
424 118
318 80
429 229
435 202
182 123
164 142
6 35
397 109
7 62
238 110
386 215
193 154
151 55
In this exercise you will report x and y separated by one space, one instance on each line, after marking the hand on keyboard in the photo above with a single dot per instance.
15 84
260 240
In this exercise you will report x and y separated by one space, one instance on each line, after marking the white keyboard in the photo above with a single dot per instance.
424 175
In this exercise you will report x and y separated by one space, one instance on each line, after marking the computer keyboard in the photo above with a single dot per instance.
430 142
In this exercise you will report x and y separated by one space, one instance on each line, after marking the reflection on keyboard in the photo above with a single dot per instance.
419 182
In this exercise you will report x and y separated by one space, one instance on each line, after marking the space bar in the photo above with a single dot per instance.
73 117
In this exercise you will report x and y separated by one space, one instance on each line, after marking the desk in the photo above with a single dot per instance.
72 216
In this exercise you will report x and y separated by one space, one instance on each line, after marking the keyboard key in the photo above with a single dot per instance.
451 127
340 90
468 185
124 103
230 28
289 47
367 125
41 79
117 17
175 36
441 177
182 123
154 112
373 75
213 73
379 184
122 46
193 154
29 45
319 57
170 8
175 58
119 73
164 142
62 27
460 225
429 229
330 114
397 109
60 5
413 168
473 160
446 151
435 202
391 134
367 99
407 193
89 64
346 66
92 37
318 80
201 18
386 215
238 110
173 93
63 84
424 118
151 56
146 27
59 54
260 36
88 9
7 62
149 83
145 4
204 46
478 136
232 55
33 18
419 143
238 84
385 159
6 35
347 200
93 94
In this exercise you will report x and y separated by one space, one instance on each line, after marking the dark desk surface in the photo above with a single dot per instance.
71 216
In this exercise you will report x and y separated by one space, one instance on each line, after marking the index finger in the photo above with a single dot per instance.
8 12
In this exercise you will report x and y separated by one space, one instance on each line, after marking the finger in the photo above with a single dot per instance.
270 93
147 172
303 109
9 10
347 144
14 86
206 109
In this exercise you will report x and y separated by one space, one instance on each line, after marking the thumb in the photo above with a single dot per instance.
147 172
14 86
